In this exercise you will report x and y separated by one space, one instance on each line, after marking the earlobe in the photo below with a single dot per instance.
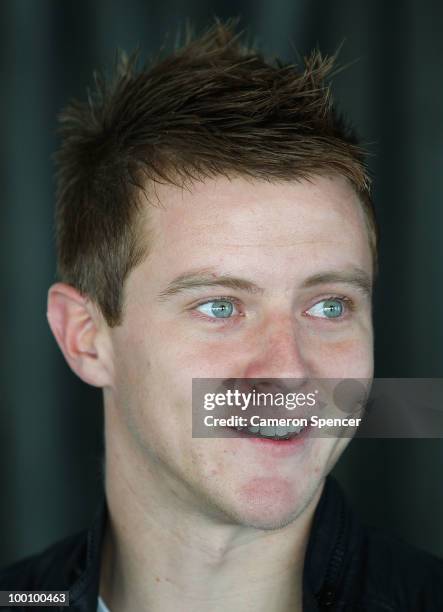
76 328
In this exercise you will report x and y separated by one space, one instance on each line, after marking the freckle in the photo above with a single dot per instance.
157 579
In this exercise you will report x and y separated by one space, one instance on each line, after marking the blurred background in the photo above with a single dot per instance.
50 422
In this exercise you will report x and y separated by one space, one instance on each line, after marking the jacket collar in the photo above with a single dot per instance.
327 547
83 569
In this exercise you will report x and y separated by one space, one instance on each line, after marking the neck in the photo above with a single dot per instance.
163 552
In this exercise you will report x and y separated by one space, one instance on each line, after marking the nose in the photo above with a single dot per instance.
278 351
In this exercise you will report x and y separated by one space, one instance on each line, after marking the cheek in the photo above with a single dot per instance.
208 358
346 358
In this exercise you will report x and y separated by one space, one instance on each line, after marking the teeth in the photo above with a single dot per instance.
270 431
267 431
295 428
254 429
281 431
275 432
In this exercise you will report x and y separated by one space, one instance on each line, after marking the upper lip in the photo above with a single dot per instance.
268 386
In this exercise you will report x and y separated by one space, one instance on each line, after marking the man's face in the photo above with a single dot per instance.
287 241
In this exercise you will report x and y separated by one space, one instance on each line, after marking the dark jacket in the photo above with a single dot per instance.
348 567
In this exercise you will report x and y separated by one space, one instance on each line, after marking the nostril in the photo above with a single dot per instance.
270 385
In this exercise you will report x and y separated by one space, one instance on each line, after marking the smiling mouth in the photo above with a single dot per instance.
270 432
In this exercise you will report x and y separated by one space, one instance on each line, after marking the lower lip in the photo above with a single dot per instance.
279 448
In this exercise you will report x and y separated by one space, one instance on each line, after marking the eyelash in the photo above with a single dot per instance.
348 304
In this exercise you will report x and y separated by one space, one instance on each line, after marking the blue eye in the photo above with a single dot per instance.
327 309
219 309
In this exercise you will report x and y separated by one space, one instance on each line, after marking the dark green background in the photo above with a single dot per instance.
50 423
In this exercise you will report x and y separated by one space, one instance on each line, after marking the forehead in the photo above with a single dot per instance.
300 222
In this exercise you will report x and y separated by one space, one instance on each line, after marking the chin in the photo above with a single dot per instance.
269 503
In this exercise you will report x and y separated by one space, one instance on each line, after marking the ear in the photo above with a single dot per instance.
81 333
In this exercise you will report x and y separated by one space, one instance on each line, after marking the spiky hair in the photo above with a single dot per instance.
213 106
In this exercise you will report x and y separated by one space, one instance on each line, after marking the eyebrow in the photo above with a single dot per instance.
356 277
206 278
